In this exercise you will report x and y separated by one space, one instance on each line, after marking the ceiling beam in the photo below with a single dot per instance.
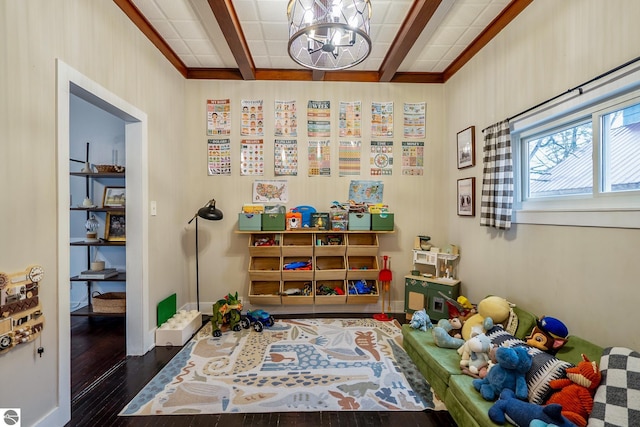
229 23
507 15
134 14
417 18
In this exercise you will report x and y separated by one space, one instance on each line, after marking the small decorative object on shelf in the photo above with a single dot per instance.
92 225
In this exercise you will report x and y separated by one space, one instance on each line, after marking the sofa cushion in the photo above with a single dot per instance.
461 386
544 366
575 347
526 322
617 399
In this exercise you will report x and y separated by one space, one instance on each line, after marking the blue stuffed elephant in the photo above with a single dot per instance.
508 373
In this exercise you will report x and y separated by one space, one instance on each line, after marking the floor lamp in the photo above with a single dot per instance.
211 213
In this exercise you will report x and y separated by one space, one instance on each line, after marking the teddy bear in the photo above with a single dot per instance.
475 355
492 310
575 392
509 372
420 320
525 414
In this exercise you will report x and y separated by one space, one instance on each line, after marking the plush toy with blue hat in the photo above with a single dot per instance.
523 414
549 334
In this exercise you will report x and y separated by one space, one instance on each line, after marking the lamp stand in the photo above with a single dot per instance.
197 269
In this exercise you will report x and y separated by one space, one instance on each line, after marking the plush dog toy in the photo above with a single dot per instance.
548 335
575 393
474 356
523 414
508 373
420 320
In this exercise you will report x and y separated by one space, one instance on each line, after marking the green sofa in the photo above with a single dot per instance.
441 368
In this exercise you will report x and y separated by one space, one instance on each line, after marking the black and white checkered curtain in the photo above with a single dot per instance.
497 179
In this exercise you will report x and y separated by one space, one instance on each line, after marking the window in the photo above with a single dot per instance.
582 163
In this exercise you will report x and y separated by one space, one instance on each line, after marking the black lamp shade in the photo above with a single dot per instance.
210 212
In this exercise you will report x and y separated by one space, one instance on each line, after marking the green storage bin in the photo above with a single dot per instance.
359 221
249 221
273 222
382 221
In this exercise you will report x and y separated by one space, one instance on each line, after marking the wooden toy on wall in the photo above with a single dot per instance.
21 318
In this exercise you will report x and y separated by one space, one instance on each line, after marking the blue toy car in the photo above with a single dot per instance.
258 319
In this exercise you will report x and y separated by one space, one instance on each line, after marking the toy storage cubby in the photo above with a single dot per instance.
339 260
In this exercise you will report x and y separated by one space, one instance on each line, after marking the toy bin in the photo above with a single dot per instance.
264 268
303 292
382 221
304 272
264 292
330 244
359 221
362 244
265 245
354 296
249 221
329 267
330 292
362 267
297 244
273 222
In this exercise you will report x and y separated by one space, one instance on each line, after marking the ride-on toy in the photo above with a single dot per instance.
258 319
227 311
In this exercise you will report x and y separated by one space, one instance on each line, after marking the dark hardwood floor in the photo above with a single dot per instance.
104 380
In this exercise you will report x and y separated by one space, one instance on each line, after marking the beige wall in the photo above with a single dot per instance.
585 276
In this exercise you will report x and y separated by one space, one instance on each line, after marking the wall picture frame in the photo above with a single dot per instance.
466 143
467 197
114 197
115 228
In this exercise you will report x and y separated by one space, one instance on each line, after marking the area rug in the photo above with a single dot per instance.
295 365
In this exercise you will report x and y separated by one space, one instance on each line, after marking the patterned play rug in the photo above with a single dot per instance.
295 365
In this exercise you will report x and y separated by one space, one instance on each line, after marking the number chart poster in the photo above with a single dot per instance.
319 119
286 120
381 158
381 119
412 158
218 117
252 157
320 158
350 119
286 157
349 158
219 156
415 120
252 118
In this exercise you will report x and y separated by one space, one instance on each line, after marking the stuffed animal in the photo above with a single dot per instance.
442 337
575 393
420 320
509 372
548 335
522 414
474 355
492 311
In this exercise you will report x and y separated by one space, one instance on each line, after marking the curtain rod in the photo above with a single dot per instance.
578 88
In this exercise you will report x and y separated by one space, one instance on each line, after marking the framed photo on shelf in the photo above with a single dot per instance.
115 229
467 197
114 197
466 147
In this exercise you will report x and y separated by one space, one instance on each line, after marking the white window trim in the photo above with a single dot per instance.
619 210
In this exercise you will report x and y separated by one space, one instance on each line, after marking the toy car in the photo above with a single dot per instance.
258 319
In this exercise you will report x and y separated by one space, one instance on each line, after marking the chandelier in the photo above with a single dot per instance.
329 34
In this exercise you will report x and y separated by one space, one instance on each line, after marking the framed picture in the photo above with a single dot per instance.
115 229
467 197
114 197
466 147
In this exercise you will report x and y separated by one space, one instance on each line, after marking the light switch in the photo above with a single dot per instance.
153 208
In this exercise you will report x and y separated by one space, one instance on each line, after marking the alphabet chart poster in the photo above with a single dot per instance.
286 157
412 158
219 156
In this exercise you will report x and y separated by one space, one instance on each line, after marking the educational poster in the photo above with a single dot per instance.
219 156
349 158
366 191
285 157
414 120
286 120
320 158
381 119
350 119
251 157
252 123
266 191
218 117
412 158
381 158
319 119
